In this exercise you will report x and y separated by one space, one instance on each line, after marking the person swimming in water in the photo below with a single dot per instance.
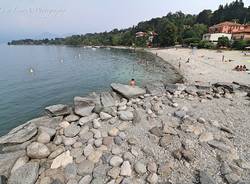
132 82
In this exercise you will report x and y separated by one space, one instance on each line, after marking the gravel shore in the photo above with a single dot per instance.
207 65
191 133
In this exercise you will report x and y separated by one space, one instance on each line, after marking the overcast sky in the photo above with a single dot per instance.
30 18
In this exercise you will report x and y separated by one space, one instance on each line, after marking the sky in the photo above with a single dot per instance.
50 18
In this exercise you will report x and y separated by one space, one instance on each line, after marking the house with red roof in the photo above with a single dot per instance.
242 34
231 30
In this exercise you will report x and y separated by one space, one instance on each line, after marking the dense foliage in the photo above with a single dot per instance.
174 28
240 44
223 42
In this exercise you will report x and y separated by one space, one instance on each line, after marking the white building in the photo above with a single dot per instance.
213 37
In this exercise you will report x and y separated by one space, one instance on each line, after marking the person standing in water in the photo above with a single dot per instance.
132 82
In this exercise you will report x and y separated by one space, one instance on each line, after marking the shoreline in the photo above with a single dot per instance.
206 65
11 123
160 133
168 126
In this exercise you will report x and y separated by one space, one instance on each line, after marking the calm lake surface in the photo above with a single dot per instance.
33 77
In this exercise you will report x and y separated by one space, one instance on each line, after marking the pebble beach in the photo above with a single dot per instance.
192 132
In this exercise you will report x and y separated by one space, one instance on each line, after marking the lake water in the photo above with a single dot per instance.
33 77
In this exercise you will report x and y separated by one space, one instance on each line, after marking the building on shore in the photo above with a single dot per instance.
214 37
241 34
231 30
226 27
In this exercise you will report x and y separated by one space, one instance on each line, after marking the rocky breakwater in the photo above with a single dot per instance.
165 133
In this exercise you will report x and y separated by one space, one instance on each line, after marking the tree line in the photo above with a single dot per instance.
172 29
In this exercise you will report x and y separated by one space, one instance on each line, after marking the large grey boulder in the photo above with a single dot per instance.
229 86
20 162
50 131
244 87
192 90
46 121
70 171
126 169
58 110
38 150
84 105
71 118
205 178
219 145
107 100
85 167
126 115
72 130
17 147
7 161
20 134
140 168
86 179
3 179
172 88
27 174
156 88
88 119
128 91
62 160
204 86
44 138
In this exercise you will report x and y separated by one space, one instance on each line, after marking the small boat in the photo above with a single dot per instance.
94 49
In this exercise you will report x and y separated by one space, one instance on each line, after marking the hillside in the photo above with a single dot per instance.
171 29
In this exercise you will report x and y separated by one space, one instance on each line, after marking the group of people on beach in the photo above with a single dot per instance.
241 68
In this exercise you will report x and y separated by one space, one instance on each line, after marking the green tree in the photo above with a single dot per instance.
172 28
206 44
204 17
223 42
167 35
240 44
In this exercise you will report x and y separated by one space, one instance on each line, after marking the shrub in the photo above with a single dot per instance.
240 44
189 41
206 44
223 42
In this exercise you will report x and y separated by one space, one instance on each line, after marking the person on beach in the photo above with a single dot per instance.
132 82
188 60
223 58
179 65
237 68
245 68
241 68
